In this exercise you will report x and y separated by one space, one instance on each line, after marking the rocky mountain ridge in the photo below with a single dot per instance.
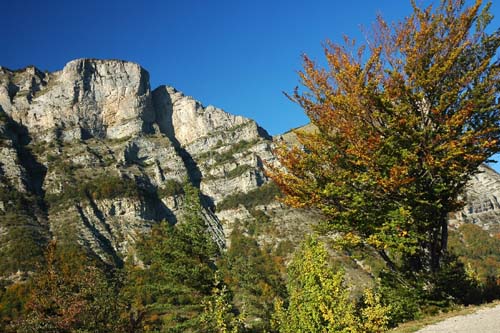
91 154
102 157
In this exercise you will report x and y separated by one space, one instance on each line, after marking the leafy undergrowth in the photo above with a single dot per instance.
415 325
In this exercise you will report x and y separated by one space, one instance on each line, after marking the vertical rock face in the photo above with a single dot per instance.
225 152
482 201
186 119
91 155
88 98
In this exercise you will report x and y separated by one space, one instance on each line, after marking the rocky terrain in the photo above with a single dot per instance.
91 154
483 207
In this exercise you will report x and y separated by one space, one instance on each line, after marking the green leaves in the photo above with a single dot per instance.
253 275
319 299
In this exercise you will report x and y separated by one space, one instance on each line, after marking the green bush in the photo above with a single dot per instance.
404 298
21 249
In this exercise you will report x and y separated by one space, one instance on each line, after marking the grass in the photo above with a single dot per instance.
413 326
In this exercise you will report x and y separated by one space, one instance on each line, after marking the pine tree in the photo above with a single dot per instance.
178 273
254 278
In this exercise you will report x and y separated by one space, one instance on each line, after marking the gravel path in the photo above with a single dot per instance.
482 321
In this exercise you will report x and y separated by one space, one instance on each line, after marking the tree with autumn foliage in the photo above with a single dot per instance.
71 294
403 122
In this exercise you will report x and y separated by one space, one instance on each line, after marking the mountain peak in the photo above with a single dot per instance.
106 99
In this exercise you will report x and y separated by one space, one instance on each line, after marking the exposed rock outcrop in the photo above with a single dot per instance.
111 155
482 201
88 98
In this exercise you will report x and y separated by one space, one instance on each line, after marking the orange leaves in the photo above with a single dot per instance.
398 177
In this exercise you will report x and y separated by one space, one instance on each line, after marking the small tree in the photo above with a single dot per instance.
71 294
319 300
218 315
403 123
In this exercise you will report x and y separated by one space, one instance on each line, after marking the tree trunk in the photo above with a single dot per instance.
439 245
387 260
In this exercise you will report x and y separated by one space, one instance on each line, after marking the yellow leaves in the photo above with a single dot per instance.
319 299
375 241
375 315
349 240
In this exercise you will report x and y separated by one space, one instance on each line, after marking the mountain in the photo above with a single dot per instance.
91 154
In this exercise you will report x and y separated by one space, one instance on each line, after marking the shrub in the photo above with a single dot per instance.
319 299
227 156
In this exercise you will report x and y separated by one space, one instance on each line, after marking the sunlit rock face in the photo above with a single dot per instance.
88 98
482 197
102 158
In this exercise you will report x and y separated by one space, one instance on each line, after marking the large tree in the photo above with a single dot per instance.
403 122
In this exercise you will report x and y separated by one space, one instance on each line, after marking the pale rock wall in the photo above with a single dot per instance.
106 99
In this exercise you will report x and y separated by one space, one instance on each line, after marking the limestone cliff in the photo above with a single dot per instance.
482 201
103 157
87 98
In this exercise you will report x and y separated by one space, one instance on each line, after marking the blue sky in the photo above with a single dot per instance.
239 55
236 54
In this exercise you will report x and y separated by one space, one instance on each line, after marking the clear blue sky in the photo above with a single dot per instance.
239 55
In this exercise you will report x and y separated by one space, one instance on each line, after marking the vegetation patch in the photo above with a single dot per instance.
480 252
21 243
228 156
172 187
259 196
102 187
